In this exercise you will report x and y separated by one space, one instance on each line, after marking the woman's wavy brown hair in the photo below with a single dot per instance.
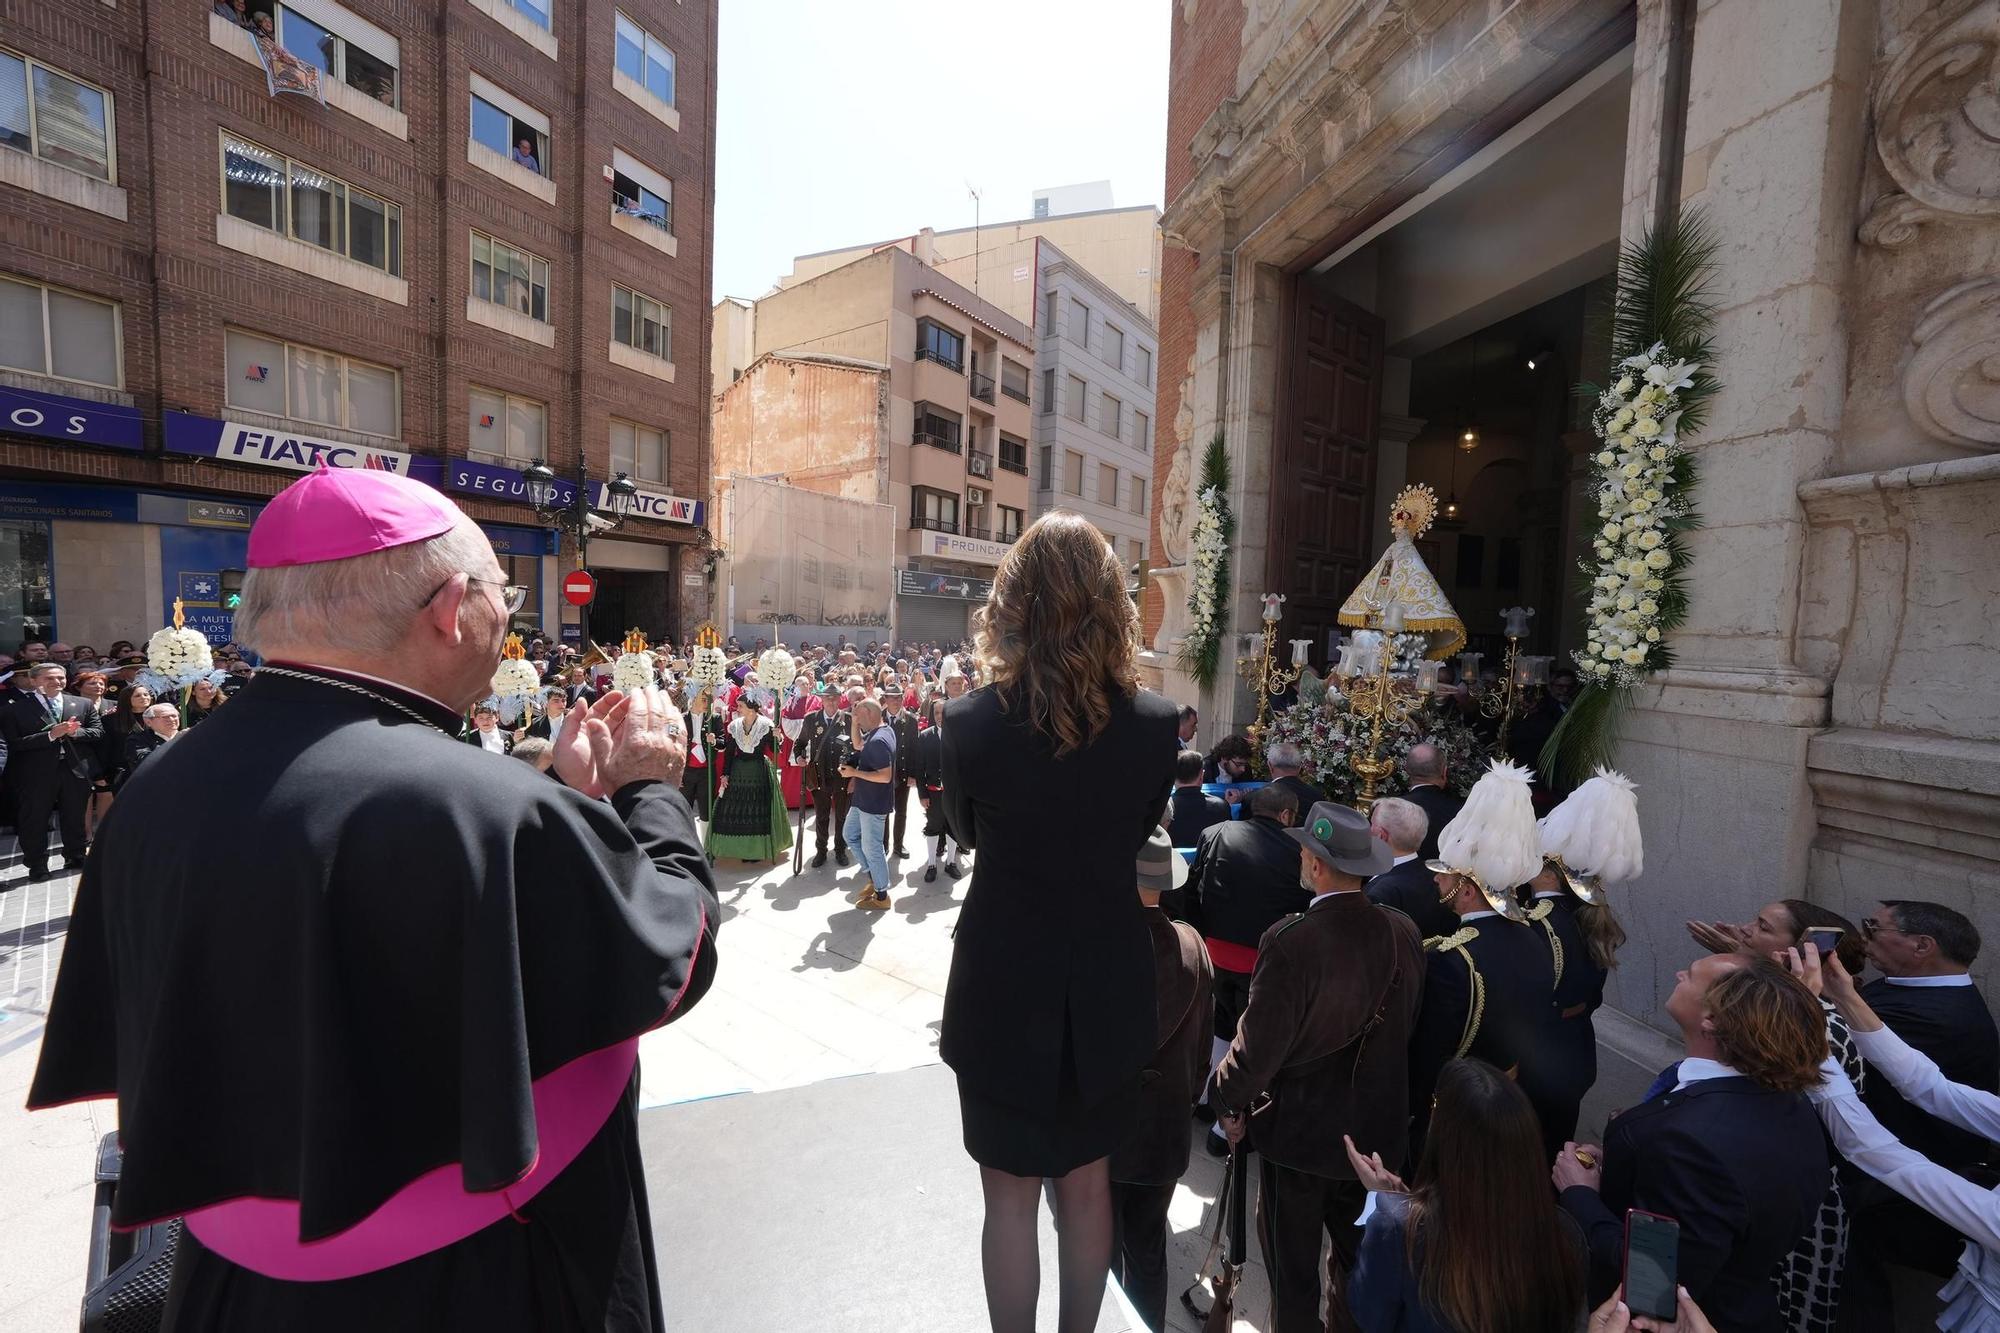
1768 1026
1058 636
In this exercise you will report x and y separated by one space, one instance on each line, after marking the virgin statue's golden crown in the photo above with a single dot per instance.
1413 511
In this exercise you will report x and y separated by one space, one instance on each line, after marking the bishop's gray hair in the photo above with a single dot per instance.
364 603
1285 755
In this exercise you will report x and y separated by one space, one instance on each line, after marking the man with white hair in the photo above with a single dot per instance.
159 724
1407 885
370 1003
1286 761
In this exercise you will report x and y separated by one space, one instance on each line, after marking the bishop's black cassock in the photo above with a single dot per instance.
321 949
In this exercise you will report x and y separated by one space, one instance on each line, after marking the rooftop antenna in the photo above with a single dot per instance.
973 191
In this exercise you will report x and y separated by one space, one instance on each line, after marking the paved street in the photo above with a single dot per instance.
809 989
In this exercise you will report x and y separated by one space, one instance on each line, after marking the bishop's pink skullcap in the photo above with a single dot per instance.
337 513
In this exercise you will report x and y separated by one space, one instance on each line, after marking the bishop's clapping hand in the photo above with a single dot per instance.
620 739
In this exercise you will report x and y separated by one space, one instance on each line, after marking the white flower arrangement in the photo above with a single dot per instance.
1208 551
515 678
1638 498
707 668
179 656
776 669
633 671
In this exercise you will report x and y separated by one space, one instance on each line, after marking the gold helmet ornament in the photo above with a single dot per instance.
1493 842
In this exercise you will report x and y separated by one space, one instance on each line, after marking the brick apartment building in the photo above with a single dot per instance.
489 244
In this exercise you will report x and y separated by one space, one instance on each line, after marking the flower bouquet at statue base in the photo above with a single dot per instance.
516 683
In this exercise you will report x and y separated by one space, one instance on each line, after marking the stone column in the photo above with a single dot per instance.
1774 142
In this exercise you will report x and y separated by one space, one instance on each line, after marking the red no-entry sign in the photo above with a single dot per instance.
579 587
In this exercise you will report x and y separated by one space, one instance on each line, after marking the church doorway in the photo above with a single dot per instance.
1407 356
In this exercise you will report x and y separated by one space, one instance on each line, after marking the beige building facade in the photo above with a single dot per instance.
1378 214
883 381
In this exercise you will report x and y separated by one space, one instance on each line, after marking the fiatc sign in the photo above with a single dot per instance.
237 442
579 587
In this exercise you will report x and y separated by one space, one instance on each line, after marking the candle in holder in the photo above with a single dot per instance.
1348 666
1371 659
1468 668
1517 620
1392 620
1427 677
1300 650
1256 646
1538 670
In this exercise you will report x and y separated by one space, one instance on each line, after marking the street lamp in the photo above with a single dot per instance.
577 516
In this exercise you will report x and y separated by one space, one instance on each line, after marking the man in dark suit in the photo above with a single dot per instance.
1489 992
1734 1152
1925 994
1145 1171
904 724
1228 762
825 747
1326 1036
52 741
1286 763
1408 884
1190 723
1430 791
159 724
1192 810
1245 880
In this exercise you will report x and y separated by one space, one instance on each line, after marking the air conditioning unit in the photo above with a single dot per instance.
975 496
980 465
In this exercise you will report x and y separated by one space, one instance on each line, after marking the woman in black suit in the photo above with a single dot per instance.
1056 772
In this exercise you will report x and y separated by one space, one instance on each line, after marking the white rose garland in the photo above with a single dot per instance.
633 671
179 656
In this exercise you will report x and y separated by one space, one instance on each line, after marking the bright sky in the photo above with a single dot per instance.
841 124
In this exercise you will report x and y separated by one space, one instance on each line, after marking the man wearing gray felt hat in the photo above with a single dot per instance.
1322 1048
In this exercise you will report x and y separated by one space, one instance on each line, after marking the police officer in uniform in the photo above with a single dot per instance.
1590 840
1323 1049
1489 986
825 746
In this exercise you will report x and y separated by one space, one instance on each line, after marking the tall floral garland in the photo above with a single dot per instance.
1208 589
1644 479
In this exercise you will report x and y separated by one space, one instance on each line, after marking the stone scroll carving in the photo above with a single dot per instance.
1937 126
1951 386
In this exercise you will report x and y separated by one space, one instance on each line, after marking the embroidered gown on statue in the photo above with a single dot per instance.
749 821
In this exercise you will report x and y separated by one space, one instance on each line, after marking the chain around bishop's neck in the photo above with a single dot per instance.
352 688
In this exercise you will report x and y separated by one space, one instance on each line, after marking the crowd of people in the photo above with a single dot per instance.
1390 1014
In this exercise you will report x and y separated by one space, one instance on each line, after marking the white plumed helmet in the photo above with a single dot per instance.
1594 835
1493 841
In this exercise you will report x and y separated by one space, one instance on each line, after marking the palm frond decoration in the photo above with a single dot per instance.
1663 351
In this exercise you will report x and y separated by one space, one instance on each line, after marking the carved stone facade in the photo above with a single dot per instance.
1832 715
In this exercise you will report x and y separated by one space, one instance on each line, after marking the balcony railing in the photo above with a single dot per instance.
978 464
632 208
929 524
982 387
983 534
1019 465
933 354
943 442
1015 391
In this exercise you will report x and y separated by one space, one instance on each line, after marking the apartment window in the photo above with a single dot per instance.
645 59
48 331
1014 379
1142 430
515 138
306 384
56 118
338 57
1010 524
1014 454
505 428
1110 415
1073 472
1079 323
269 190
640 452
1047 473
1078 391
937 427
1048 391
641 322
1049 313
935 510
937 343
1144 369
1137 549
1138 495
537 11
510 277
1114 346
1107 484
631 198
